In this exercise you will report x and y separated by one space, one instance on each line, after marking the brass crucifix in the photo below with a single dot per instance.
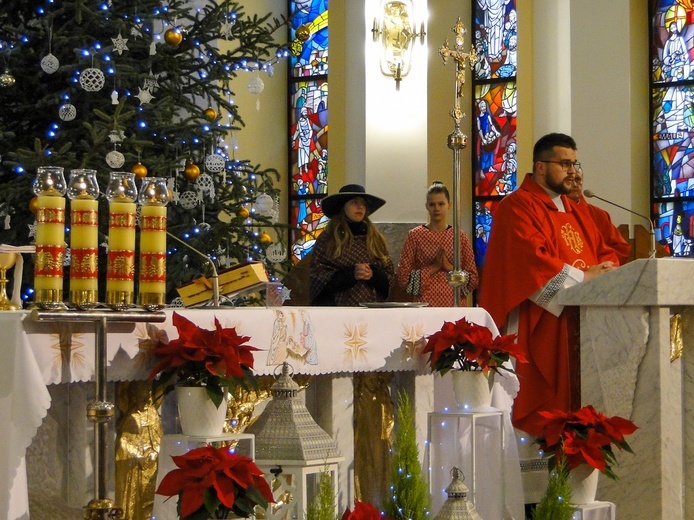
461 58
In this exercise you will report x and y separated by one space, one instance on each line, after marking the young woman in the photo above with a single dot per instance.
350 262
427 255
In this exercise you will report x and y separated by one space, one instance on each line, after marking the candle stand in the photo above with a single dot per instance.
100 411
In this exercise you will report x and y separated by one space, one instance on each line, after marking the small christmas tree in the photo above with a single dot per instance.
556 502
322 507
409 498
142 86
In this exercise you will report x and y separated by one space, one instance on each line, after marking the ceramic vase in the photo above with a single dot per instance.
198 415
584 484
472 390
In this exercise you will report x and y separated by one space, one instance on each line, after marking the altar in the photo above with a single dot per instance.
314 340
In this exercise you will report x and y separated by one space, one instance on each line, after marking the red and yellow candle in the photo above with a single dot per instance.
154 196
50 249
152 286
120 270
84 249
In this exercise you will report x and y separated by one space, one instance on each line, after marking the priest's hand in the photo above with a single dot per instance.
597 270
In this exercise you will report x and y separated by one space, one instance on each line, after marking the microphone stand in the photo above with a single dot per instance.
651 229
215 276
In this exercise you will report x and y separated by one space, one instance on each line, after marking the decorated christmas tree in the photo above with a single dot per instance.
147 87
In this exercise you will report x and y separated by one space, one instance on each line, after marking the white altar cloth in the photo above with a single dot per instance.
315 340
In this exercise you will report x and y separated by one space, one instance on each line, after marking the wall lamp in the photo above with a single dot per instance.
396 28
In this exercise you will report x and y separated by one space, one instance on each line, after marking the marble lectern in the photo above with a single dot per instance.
637 323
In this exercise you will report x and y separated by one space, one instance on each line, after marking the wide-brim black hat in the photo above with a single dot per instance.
332 204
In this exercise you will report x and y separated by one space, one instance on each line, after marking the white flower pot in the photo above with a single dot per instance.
472 390
198 415
584 484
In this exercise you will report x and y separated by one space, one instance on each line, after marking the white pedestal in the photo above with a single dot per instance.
595 511
173 445
474 443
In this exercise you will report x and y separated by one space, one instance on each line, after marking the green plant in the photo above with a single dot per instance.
322 507
556 502
409 492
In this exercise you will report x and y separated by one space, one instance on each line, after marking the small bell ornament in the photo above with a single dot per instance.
456 506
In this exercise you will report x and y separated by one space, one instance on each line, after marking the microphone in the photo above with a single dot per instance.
590 194
215 276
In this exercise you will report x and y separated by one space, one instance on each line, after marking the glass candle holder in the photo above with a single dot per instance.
83 191
49 187
154 196
120 271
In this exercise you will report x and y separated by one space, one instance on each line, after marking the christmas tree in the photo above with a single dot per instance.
142 86
409 498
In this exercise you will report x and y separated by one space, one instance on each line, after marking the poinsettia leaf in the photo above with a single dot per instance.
256 496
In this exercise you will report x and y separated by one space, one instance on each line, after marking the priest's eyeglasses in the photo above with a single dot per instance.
566 164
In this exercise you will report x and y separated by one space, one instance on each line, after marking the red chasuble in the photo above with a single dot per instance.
530 242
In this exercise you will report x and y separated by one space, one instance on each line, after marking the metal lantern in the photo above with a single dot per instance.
456 506
292 450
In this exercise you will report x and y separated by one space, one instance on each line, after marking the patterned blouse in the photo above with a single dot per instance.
419 252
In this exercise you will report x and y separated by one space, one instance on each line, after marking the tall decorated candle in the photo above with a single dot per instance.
83 191
154 196
120 271
49 187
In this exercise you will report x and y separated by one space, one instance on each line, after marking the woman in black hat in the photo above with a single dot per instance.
350 262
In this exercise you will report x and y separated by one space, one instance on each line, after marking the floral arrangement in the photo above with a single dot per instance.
213 359
467 346
362 511
585 436
215 483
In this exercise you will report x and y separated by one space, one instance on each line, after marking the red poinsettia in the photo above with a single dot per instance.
199 357
215 482
362 511
467 346
585 437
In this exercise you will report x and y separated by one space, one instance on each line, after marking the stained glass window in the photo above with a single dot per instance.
672 123
308 120
495 167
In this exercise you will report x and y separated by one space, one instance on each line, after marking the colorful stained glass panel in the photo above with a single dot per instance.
672 149
309 138
495 39
495 139
674 225
672 40
484 215
307 213
309 38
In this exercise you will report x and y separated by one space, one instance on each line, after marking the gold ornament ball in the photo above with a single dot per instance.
243 212
265 239
191 172
140 170
173 37
210 114
303 33
34 204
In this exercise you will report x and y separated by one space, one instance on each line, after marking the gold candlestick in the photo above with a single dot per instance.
7 261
